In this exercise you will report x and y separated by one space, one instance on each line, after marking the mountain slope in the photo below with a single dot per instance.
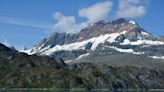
122 36
19 70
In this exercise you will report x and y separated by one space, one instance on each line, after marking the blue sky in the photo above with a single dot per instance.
26 22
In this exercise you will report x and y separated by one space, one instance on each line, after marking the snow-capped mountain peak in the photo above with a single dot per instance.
132 22
123 36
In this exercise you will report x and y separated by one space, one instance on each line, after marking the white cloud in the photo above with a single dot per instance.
67 23
93 14
64 23
131 8
96 12
8 44
5 42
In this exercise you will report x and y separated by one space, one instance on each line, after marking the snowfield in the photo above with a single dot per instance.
81 45
95 42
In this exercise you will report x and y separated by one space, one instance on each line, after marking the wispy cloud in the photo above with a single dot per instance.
131 8
9 44
92 13
23 22
5 42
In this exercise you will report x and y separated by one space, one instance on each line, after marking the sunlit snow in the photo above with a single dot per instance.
157 57
81 45
124 50
139 42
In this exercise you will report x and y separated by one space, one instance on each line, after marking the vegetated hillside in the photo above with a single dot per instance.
19 70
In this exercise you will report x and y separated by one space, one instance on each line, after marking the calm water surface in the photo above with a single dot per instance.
78 90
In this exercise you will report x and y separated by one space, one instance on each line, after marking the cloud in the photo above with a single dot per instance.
22 22
96 12
67 23
64 23
5 42
8 44
131 8
92 13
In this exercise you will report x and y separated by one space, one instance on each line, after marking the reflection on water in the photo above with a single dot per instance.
78 90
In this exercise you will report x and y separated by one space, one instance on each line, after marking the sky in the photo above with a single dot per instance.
26 22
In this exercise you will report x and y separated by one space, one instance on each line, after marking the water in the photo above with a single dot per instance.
77 90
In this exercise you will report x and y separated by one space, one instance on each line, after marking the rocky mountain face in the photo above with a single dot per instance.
94 30
19 70
103 38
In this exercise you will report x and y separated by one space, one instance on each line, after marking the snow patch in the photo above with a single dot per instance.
124 32
132 22
124 50
157 57
153 42
112 37
121 50
26 51
36 49
83 55
68 61
144 33
139 42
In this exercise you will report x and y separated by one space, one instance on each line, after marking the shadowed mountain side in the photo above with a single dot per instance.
19 70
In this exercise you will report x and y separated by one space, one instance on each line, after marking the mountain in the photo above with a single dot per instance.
19 70
22 60
111 40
